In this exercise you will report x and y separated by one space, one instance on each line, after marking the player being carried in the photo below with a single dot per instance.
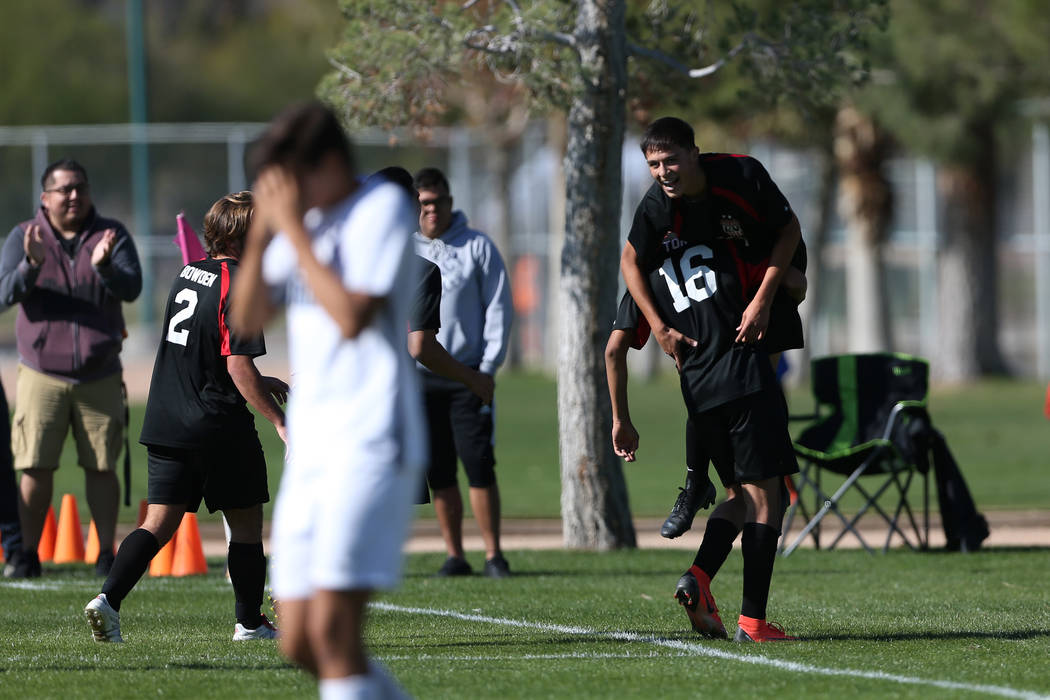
710 244
199 434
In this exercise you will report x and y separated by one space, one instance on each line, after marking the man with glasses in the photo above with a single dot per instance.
70 269
476 314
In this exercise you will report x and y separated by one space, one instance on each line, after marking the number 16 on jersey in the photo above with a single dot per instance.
698 280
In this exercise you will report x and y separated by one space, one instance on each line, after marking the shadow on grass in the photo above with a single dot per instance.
111 667
582 572
1017 635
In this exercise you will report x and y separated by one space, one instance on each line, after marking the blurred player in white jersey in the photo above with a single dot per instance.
338 254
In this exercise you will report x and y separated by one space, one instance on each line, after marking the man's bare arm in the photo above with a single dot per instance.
624 435
424 347
755 319
261 393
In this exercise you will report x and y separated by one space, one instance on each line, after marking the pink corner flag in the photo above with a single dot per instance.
187 241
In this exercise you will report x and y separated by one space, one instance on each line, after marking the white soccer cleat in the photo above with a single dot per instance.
266 630
104 620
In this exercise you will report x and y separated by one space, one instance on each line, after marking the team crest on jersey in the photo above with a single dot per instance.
732 229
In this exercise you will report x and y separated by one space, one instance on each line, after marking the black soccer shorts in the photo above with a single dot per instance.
460 427
231 475
747 438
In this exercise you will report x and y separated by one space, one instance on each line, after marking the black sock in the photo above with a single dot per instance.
133 557
716 545
248 575
760 550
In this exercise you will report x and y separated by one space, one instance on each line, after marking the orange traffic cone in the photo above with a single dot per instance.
69 543
161 563
142 513
93 546
46 549
189 554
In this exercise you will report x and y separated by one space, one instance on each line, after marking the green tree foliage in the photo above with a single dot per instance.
65 61
947 66
245 63
399 62
57 58
949 77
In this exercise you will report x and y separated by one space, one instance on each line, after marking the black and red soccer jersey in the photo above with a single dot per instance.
705 259
630 319
741 205
783 329
193 401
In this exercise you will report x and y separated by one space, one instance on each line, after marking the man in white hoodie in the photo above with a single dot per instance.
476 315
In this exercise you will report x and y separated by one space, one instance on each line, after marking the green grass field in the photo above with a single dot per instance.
996 430
574 625
581 624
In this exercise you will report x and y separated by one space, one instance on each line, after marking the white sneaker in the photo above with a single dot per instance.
104 620
266 630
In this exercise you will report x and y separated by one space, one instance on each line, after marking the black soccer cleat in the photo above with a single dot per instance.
684 510
455 566
497 567
22 564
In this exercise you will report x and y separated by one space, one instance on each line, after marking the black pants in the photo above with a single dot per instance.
10 528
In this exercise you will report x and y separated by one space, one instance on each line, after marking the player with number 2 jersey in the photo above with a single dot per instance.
192 400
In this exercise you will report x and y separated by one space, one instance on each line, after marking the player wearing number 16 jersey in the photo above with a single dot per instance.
199 433
708 249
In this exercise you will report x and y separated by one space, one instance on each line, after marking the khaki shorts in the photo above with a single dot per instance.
46 408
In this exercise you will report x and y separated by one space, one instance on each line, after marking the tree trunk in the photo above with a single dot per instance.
816 239
968 269
595 511
866 204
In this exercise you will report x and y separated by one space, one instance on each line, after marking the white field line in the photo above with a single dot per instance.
701 650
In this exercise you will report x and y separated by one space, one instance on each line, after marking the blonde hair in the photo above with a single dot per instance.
227 222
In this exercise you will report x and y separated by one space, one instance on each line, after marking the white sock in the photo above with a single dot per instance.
359 687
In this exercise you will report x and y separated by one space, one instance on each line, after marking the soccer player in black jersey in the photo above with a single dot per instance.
199 433
631 331
708 249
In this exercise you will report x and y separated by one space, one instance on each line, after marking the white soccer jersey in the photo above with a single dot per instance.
357 438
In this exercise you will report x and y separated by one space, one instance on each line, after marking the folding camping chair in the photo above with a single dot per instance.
870 421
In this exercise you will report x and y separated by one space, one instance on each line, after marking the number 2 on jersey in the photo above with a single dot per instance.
700 282
180 335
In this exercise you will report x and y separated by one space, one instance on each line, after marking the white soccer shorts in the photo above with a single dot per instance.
340 524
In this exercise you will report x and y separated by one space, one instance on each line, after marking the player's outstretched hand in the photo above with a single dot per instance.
276 388
625 439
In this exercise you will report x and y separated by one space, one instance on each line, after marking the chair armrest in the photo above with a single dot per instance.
902 407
